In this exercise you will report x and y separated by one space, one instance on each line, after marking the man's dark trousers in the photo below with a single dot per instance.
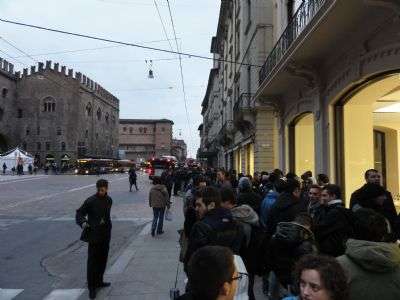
97 262
158 219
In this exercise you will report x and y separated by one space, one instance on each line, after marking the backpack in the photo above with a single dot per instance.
268 201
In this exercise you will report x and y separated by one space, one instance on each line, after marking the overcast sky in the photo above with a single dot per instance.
122 70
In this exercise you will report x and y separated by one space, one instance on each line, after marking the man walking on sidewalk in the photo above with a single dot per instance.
94 218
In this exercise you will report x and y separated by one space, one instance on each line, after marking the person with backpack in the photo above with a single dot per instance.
290 242
215 225
251 251
269 200
334 226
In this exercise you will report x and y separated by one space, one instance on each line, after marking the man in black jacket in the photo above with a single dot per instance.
216 226
287 206
372 176
334 225
94 217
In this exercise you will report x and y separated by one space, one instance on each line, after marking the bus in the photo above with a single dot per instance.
90 166
123 165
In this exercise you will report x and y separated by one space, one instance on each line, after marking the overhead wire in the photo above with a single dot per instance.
181 73
87 36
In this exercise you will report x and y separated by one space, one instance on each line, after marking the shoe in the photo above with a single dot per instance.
104 284
153 233
161 232
92 294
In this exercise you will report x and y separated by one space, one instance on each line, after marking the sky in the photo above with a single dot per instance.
123 70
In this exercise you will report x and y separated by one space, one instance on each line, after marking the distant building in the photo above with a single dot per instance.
54 113
142 139
179 149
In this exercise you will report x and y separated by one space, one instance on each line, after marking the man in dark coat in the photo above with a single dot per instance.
94 217
334 225
248 196
287 206
372 176
216 225
132 179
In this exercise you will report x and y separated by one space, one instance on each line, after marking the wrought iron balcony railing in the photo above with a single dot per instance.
303 16
245 102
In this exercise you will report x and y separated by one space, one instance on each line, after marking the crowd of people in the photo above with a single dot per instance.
294 232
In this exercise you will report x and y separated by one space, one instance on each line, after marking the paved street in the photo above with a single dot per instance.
41 256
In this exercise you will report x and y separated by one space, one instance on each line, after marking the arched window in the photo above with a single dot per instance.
49 104
99 114
107 117
89 109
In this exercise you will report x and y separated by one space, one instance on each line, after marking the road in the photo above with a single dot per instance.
41 256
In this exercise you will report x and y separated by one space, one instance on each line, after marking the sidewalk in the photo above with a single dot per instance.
146 270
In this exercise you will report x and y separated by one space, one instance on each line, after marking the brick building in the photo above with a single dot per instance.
52 112
142 139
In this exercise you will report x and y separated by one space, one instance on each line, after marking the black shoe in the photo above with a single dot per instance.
104 284
92 294
161 232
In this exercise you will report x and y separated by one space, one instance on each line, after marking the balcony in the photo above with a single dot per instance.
243 112
225 136
304 15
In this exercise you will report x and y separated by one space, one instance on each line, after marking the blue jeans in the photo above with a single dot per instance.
158 219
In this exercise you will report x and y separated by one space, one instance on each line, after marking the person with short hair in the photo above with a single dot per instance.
247 195
212 275
287 206
94 218
314 200
158 201
373 266
334 227
215 225
373 176
223 179
322 180
320 277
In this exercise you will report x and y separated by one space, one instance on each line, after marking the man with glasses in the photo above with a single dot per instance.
94 218
213 275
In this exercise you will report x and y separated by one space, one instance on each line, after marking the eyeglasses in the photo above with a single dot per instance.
240 276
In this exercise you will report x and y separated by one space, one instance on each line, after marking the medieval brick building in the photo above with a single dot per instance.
54 113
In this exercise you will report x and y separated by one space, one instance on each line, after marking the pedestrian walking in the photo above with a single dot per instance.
94 218
159 201
30 169
132 179
4 168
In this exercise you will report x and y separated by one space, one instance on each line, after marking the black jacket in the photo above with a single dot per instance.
285 209
389 210
96 212
333 228
251 199
289 243
216 228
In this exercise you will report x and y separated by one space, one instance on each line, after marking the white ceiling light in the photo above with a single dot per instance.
393 108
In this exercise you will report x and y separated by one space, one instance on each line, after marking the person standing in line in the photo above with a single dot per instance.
4 168
132 179
158 200
94 218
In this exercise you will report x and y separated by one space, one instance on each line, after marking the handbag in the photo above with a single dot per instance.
85 236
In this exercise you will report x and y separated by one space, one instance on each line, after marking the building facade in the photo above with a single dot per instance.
142 139
333 79
179 149
235 126
54 113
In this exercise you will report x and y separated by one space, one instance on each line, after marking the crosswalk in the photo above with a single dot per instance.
59 294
